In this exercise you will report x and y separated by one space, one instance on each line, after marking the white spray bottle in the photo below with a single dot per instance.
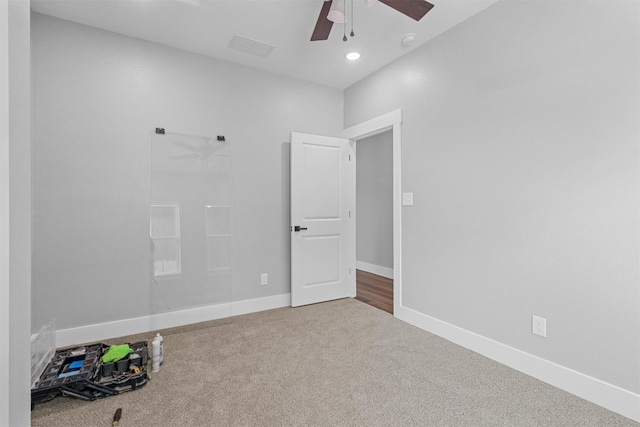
155 354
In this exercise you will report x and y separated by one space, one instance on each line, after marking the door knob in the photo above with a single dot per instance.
298 228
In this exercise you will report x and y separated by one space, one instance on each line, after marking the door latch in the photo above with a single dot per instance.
298 228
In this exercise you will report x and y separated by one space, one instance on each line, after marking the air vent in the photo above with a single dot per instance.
253 47
194 3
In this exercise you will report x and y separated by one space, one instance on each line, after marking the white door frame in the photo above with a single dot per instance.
390 121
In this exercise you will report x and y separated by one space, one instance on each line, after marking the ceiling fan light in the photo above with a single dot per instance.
336 12
353 56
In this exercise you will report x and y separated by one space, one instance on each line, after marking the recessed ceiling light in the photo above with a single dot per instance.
353 56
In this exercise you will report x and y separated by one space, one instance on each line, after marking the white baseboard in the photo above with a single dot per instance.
609 396
118 328
260 304
375 269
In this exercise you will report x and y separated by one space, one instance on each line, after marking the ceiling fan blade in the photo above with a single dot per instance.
210 150
185 156
323 26
186 146
415 9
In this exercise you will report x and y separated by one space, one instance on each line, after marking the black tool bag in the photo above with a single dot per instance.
80 372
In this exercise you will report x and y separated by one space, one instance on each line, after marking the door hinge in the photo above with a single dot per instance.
349 157
349 214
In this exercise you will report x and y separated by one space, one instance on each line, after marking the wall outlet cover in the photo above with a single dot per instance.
539 326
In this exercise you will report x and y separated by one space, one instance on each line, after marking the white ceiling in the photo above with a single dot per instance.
207 26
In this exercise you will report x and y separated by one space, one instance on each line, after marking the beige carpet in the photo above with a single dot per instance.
341 363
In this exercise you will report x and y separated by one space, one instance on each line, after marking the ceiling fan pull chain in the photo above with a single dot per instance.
344 24
352 33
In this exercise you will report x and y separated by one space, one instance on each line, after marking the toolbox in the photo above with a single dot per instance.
80 372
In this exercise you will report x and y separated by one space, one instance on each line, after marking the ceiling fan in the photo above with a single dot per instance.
415 9
202 151
207 153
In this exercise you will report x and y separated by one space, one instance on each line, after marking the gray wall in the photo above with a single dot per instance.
96 96
15 213
520 143
374 197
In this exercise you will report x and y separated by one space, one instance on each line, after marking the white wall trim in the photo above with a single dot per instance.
5 294
375 269
391 120
373 126
260 304
592 389
154 322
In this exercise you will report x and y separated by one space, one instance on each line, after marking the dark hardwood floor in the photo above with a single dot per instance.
374 290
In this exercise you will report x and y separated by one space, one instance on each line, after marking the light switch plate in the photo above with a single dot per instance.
407 199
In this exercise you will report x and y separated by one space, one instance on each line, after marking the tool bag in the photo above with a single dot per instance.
79 372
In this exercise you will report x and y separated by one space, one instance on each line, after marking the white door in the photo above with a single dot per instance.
322 227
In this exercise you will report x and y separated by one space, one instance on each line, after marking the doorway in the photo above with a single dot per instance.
312 279
389 124
374 220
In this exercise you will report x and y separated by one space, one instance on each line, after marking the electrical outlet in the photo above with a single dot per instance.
539 326
264 279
